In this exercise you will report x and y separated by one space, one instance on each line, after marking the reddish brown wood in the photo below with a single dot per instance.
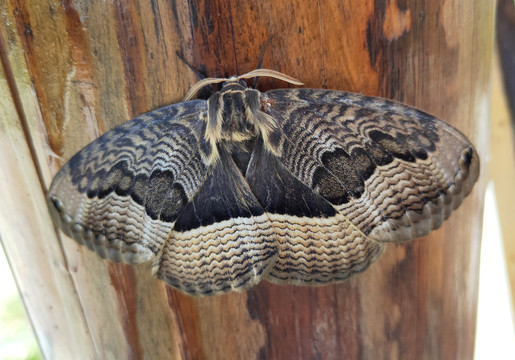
90 65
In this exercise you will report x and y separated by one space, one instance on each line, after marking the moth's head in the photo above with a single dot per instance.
234 81
234 114
239 81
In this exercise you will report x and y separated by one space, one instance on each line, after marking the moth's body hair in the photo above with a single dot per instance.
249 121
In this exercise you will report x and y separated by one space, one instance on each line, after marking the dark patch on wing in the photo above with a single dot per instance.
224 195
378 155
162 197
118 179
158 193
124 184
340 164
157 189
139 188
328 186
175 201
279 192
94 183
395 146
111 179
364 164
343 175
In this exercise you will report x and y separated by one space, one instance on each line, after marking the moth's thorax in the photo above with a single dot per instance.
234 116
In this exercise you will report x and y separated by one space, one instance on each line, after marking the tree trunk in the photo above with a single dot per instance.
74 69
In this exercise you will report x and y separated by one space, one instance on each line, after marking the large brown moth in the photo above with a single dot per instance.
297 186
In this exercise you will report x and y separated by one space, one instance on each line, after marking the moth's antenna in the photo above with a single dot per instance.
272 74
254 73
203 79
199 85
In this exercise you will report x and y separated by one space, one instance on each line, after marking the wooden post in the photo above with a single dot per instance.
502 132
73 69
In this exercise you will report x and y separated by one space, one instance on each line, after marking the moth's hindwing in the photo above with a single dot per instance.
316 243
222 240
121 194
392 171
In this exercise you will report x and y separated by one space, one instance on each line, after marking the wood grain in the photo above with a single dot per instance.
502 167
82 67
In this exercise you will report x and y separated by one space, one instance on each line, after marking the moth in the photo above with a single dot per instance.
297 186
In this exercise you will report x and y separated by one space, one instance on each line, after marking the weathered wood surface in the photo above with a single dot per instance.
83 67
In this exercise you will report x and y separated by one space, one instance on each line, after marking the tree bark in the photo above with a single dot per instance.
74 69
